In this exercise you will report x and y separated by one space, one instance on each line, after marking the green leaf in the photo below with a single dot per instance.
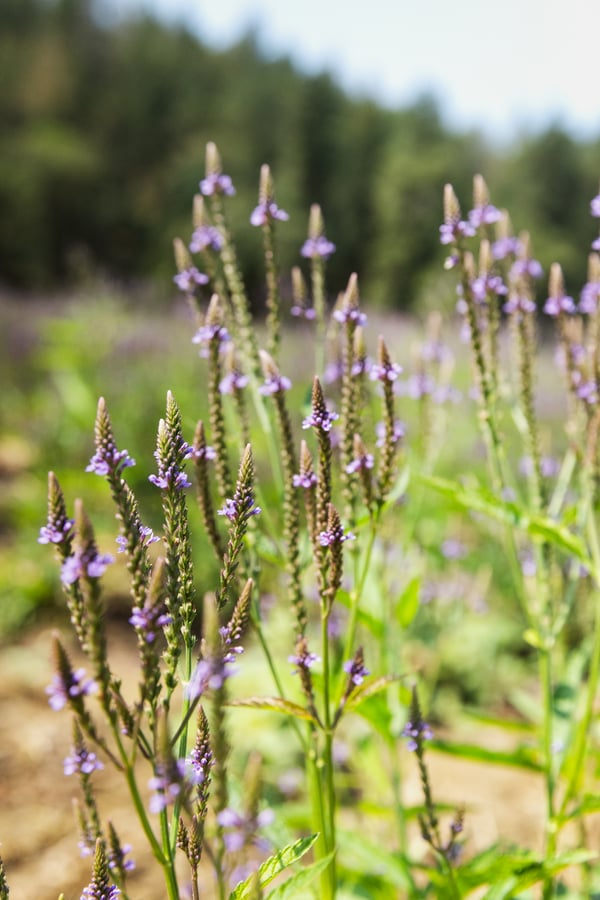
296 885
274 865
376 712
408 604
507 871
527 873
523 757
276 704
356 853
371 687
481 500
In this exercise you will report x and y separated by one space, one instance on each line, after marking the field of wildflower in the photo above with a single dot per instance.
342 639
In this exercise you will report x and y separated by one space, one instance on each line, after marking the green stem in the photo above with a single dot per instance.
327 758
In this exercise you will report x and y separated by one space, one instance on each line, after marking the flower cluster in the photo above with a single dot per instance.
206 237
172 475
147 537
416 733
267 211
322 419
81 761
356 669
333 537
189 279
62 688
149 619
275 384
87 563
234 508
317 247
216 183
55 532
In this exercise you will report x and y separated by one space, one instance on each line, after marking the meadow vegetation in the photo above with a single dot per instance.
359 541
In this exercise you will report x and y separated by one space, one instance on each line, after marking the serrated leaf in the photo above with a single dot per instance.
274 865
275 704
300 881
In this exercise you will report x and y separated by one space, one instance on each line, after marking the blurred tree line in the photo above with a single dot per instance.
102 133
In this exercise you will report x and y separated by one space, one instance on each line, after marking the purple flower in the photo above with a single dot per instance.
361 366
590 293
94 892
519 304
333 372
275 384
588 392
356 670
147 537
484 285
234 381
549 466
416 734
243 829
149 619
366 461
451 231
188 279
596 244
554 306
209 674
383 372
55 532
117 861
484 215
350 314
81 761
208 333
528 563
334 536
303 660
84 565
216 183
170 477
323 420
166 784
315 247
398 432
109 460
506 246
206 237
233 508
266 212
199 763
303 312
79 686
453 549
526 267
305 480
419 385
206 452
595 207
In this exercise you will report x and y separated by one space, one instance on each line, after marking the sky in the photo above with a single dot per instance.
505 68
